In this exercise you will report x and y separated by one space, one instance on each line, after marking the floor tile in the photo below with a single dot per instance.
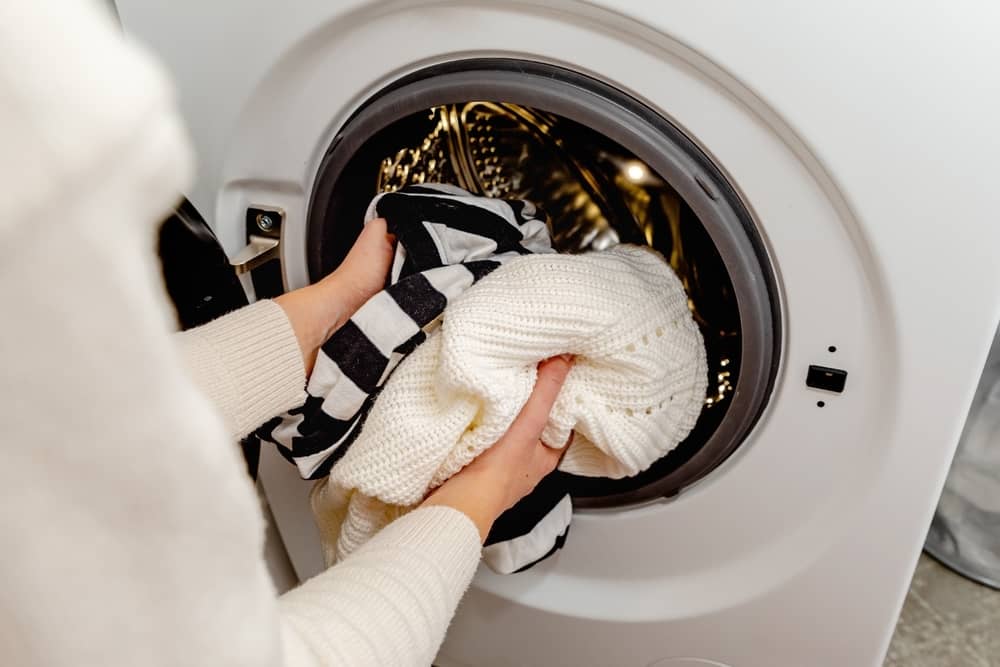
947 621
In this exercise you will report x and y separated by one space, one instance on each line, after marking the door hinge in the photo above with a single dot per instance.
263 239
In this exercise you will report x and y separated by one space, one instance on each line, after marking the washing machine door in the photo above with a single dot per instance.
197 274
780 178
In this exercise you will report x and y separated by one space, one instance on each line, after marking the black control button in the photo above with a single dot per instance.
828 379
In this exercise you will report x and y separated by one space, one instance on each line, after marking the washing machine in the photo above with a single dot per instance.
823 176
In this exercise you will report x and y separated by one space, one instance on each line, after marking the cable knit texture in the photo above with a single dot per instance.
635 391
132 534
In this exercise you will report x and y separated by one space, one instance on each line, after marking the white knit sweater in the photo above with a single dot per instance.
131 533
636 388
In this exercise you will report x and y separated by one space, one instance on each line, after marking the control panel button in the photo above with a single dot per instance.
827 379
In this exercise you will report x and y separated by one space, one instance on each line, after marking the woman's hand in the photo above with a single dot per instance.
362 273
510 469
320 309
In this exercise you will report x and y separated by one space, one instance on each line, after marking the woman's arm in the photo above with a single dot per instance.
247 363
252 364
390 602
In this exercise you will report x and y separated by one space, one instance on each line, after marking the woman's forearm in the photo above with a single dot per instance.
248 363
253 363
390 602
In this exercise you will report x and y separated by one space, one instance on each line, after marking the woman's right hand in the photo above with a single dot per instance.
510 469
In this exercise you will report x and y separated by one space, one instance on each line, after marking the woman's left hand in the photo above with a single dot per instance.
316 311
511 468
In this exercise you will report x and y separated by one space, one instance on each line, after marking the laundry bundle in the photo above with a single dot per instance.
635 389
446 241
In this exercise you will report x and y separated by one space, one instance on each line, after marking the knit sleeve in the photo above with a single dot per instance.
248 363
390 602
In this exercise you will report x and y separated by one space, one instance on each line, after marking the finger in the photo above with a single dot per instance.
375 234
535 413
375 226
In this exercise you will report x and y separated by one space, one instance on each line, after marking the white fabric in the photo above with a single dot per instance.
228 364
132 535
635 390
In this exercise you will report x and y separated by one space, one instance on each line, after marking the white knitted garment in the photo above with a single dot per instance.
635 390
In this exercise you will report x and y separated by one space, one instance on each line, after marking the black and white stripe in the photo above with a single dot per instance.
532 530
447 239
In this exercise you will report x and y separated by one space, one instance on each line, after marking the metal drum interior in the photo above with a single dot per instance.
606 170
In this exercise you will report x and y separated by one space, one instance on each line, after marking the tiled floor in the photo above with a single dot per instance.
947 621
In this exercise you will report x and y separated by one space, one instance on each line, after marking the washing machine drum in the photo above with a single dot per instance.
606 169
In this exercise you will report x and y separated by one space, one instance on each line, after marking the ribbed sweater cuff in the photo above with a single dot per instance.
248 363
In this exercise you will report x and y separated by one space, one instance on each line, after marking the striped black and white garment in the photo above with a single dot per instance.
447 239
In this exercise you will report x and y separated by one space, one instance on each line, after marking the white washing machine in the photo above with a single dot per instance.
832 172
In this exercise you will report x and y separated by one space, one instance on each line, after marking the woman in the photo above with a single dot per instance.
132 534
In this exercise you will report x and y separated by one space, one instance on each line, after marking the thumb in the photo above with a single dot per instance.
534 415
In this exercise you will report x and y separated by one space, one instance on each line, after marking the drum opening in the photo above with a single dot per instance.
606 169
